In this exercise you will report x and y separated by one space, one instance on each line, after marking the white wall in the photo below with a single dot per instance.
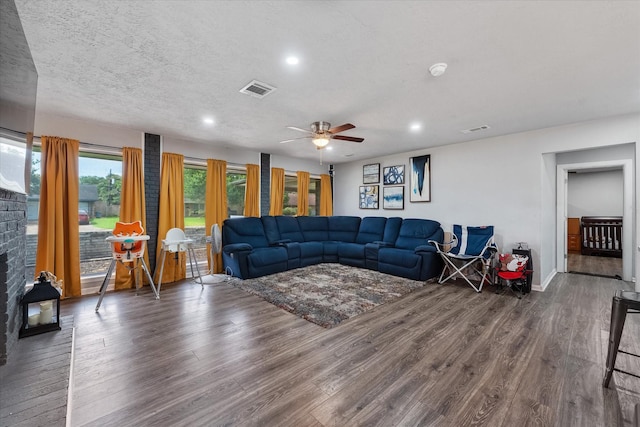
91 132
291 164
506 181
595 194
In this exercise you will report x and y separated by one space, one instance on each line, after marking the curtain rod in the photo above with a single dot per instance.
91 144
108 147
204 162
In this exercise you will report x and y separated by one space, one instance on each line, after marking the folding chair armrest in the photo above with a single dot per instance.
439 246
489 251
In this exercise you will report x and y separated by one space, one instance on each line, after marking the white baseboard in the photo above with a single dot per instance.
542 286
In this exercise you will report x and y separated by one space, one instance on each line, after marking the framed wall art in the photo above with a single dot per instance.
371 173
420 186
393 197
393 175
369 196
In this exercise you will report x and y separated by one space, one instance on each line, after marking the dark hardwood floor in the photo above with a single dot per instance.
441 356
597 265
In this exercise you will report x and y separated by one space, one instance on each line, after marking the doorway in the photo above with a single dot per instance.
594 208
563 212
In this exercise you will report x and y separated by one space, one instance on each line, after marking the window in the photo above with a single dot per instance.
291 196
100 183
195 183
236 186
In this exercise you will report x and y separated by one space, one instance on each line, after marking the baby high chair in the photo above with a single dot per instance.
127 246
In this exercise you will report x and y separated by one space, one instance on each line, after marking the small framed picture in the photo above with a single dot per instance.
371 173
369 196
393 197
420 187
393 175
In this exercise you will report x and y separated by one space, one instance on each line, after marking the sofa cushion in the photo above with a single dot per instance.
314 228
271 229
265 261
244 230
343 228
400 262
352 254
371 229
417 232
392 230
311 253
288 228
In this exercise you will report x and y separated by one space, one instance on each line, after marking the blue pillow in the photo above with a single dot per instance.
471 240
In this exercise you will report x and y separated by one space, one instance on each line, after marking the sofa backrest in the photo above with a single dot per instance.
343 228
392 229
416 232
244 230
270 229
314 228
289 228
371 229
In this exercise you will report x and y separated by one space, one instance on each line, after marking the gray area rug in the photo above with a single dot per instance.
327 294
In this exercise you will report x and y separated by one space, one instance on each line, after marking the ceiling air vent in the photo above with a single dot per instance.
257 89
476 129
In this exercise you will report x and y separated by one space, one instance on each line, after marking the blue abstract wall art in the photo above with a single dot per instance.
369 196
393 198
393 175
420 186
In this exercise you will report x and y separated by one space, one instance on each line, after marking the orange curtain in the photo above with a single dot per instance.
252 191
171 215
132 207
276 203
326 196
58 231
215 207
303 193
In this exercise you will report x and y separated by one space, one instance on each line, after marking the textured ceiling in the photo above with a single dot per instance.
160 66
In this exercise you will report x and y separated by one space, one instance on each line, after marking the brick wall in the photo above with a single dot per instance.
152 156
265 183
13 221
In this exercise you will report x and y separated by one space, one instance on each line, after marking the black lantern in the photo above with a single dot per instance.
38 313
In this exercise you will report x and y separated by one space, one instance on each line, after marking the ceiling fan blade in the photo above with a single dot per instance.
294 139
341 128
347 138
299 129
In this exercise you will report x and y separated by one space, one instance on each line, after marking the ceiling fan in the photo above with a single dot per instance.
322 132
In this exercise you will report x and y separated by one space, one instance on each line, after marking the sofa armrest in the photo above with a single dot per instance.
383 244
237 247
425 248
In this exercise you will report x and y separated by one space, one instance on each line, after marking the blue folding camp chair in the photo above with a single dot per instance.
470 252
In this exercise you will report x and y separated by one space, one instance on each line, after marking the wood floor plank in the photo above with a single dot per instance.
443 355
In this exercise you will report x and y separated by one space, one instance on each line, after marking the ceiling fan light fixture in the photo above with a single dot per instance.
320 140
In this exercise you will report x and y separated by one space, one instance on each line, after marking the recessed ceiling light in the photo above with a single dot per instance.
438 69
207 121
415 127
293 60
329 148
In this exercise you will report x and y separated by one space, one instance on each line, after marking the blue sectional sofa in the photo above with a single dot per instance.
254 247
